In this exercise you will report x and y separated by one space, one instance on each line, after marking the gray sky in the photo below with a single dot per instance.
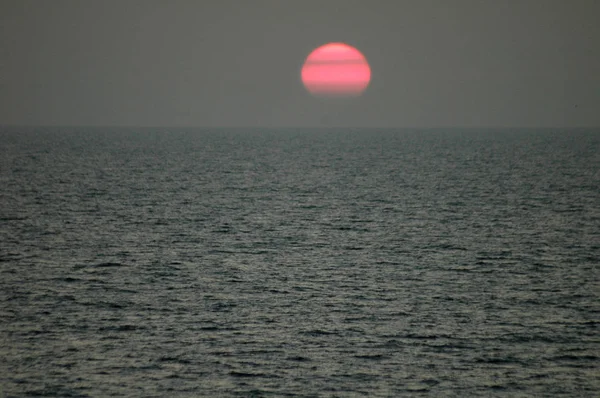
237 62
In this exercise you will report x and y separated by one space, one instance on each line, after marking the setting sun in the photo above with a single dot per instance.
336 69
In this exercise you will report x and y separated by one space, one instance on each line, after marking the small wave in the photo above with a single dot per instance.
372 357
58 391
497 387
246 374
393 343
498 360
448 347
425 336
12 218
108 265
318 332
121 328
168 358
104 304
298 358
222 307
353 248
255 393
519 338
448 246
214 328
69 279
574 358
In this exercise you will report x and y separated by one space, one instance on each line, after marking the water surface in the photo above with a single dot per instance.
309 263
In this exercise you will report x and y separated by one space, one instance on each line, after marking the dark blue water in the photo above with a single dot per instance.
299 263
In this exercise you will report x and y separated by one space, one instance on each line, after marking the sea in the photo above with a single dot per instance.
180 262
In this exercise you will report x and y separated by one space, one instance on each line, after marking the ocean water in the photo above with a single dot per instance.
299 263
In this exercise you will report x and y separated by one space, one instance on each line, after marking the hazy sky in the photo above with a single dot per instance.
237 62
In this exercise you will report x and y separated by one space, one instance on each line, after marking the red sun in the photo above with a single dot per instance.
336 70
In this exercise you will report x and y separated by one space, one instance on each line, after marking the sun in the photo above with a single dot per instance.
336 70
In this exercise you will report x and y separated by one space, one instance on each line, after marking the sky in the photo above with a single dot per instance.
236 63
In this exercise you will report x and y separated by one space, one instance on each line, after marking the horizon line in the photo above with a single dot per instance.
237 127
